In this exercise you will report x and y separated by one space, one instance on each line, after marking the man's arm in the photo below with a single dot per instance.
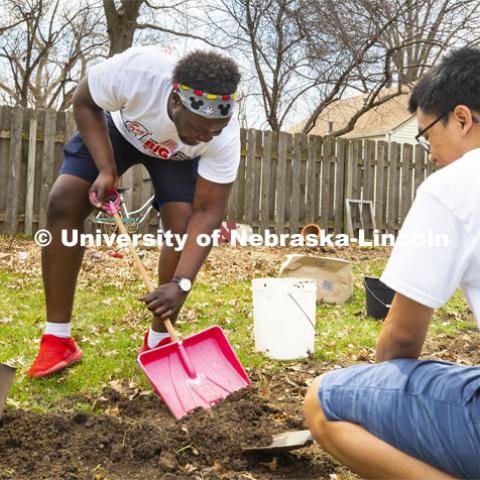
404 330
93 128
209 207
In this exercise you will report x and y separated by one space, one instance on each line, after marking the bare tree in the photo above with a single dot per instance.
125 18
46 45
315 52
407 38
121 21
424 30
46 53
354 61
266 36
298 50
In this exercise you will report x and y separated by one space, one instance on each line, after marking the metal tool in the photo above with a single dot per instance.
7 374
284 442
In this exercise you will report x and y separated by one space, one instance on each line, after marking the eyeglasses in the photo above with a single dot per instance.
424 143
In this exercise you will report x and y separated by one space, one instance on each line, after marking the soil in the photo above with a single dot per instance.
134 436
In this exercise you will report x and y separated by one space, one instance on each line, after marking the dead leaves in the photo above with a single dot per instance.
463 349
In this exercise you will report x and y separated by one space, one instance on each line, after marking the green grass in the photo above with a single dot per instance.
109 324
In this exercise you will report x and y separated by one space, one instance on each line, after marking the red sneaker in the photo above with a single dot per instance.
145 347
55 354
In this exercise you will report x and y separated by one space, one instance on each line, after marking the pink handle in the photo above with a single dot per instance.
112 205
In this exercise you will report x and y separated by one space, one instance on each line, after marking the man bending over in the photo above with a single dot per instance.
176 118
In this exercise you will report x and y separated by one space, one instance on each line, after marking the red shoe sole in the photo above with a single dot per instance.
73 358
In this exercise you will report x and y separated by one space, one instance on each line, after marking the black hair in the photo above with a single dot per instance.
454 81
207 71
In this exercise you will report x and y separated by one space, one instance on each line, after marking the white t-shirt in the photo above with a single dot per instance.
134 86
447 207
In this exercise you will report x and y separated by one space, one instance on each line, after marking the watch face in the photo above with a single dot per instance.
185 284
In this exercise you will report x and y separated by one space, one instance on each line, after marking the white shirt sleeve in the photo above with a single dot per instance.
430 254
220 163
106 82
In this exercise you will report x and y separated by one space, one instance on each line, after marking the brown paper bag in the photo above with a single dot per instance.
334 276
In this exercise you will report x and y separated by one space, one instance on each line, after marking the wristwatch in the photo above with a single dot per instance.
184 284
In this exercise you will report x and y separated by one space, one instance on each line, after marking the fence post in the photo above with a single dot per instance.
32 144
407 180
15 159
326 182
393 188
47 163
266 172
250 176
295 193
311 177
342 170
240 182
419 167
70 127
281 178
381 183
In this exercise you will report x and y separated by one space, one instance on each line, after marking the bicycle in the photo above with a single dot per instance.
131 219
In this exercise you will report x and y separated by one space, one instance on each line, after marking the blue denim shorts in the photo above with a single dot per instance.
173 180
427 409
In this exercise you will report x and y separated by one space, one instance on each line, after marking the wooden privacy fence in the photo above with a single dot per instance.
30 157
284 180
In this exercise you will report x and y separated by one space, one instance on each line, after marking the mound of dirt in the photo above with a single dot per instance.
138 439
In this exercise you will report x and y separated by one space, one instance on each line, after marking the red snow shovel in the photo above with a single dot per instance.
198 371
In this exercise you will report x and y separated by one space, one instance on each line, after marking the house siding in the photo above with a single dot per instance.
405 133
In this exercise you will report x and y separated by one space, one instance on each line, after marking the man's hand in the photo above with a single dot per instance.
165 300
104 183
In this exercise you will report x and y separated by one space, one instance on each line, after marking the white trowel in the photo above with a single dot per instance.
7 373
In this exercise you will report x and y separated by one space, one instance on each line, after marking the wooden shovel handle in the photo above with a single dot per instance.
143 272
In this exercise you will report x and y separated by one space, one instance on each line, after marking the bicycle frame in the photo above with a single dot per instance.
127 216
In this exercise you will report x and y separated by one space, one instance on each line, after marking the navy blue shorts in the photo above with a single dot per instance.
173 180
427 409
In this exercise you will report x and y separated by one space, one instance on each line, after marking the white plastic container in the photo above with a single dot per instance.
284 316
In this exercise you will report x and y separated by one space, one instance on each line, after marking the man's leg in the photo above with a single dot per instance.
175 217
68 207
358 449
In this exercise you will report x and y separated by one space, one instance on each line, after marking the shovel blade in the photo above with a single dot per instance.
7 373
284 442
197 372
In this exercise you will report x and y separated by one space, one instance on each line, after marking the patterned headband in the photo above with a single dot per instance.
205 104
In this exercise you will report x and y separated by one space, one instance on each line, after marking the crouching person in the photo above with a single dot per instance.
404 417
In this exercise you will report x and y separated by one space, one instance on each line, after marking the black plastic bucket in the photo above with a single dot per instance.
378 297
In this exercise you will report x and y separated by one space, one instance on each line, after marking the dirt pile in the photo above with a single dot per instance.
139 439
